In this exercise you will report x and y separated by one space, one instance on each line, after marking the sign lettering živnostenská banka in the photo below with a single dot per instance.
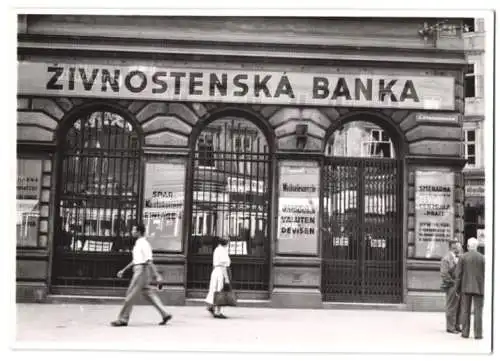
434 212
236 86
298 208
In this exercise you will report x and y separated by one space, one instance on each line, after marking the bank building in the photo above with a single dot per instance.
327 151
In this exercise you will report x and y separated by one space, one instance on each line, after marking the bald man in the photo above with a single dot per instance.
470 283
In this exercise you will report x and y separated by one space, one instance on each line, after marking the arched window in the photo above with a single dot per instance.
98 192
360 139
231 200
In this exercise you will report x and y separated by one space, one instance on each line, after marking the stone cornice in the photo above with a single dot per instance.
269 49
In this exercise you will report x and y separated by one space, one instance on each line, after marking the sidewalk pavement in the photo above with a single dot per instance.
71 326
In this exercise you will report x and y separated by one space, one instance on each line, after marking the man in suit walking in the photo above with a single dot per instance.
470 283
448 284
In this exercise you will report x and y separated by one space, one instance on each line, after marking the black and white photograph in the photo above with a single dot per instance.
252 181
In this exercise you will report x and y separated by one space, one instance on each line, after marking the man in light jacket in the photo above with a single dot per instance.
448 284
470 283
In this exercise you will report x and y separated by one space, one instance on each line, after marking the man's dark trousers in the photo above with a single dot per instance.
467 300
452 309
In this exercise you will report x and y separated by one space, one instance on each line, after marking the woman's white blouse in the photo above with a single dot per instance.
221 257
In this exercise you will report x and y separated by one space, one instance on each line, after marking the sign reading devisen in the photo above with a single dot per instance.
236 86
434 212
298 208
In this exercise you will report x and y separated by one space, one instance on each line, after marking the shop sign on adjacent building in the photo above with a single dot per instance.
298 214
474 190
236 86
434 212
164 205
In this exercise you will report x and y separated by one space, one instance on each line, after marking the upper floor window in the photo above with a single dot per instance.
470 147
469 25
470 81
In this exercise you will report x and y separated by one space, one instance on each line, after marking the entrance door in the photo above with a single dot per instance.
231 200
362 242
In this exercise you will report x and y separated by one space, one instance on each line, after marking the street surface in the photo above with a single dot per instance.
72 326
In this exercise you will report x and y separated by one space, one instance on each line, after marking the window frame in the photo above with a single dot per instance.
367 144
474 75
474 143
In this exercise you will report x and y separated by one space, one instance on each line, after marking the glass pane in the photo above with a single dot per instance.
470 87
471 150
471 160
470 69
230 197
100 179
471 135
360 139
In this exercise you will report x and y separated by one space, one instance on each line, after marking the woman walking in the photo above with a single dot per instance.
219 276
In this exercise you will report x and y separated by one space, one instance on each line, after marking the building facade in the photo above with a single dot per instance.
474 119
327 151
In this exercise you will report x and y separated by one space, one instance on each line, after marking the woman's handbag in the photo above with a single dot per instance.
226 297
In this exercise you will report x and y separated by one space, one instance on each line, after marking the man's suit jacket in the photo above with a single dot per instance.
448 269
470 273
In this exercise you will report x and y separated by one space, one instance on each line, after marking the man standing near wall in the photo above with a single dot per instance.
470 283
448 284
142 262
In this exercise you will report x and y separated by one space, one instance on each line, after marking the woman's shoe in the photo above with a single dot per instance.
220 315
211 310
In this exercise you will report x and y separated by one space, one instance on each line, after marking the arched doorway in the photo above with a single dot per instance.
97 199
231 198
362 194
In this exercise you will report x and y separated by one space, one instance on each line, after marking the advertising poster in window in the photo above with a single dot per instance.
29 174
164 205
434 212
298 212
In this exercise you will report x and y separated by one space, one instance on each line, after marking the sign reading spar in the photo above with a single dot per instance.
236 86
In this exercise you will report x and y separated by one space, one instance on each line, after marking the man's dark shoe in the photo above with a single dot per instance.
220 315
465 336
478 337
165 320
210 309
452 331
458 329
119 324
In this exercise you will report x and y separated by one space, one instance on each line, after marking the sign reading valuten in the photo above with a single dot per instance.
298 208
236 86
